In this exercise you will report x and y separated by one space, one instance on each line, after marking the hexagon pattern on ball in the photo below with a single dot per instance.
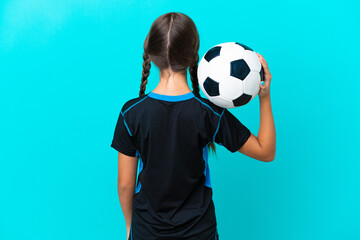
244 46
239 69
219 68
214 52
242 100
252 60
220 100
229 74
211 87
231 88
231 54
248 87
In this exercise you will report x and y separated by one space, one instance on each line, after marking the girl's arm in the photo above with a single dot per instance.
263 146
127 170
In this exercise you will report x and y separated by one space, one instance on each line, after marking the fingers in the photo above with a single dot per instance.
264 63
262 59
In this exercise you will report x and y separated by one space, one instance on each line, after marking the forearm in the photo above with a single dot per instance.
267 135
126 195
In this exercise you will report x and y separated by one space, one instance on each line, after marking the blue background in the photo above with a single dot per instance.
67 67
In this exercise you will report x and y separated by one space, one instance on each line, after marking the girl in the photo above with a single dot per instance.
169 132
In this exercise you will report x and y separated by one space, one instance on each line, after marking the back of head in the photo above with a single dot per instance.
172 43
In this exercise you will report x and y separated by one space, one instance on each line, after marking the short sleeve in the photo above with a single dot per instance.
123 140
231 133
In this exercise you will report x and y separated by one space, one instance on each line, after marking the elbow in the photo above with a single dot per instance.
269 157
125 187
125 190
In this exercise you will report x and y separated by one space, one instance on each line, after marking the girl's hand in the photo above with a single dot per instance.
264 89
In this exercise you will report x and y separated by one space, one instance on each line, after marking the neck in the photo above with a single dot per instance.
172 83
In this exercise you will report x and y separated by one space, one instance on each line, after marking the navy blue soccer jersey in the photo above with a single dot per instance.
170 136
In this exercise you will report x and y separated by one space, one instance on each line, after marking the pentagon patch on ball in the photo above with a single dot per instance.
229 74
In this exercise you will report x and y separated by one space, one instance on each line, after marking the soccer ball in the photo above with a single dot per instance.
229 74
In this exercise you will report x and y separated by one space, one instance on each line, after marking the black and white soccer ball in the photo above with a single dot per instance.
229 74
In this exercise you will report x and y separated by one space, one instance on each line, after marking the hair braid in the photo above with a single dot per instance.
145 73
195 85
193 75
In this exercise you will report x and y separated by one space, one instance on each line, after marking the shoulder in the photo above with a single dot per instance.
131 103
207 104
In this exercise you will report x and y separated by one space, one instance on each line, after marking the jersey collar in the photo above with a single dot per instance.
175 98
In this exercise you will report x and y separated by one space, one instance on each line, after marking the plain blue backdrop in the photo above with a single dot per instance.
67 67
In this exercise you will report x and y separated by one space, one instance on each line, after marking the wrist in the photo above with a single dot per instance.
267 96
